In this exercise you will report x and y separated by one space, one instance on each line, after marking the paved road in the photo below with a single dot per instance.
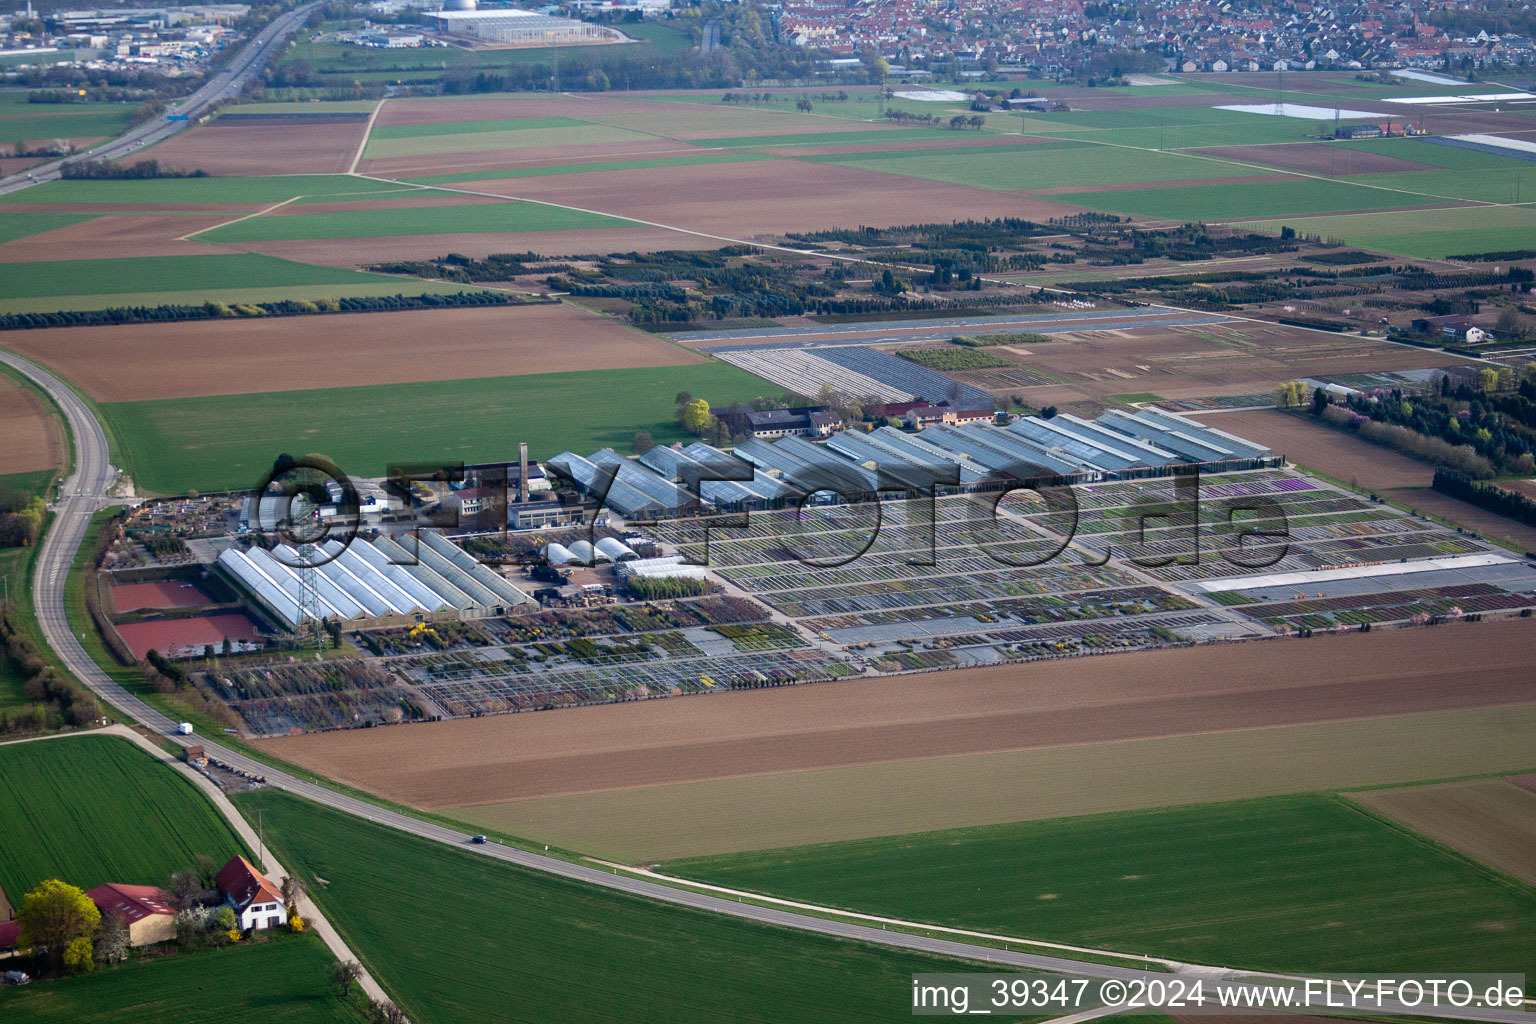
85 492
225 84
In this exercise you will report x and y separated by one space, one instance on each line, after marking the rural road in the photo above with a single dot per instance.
226 84
85 492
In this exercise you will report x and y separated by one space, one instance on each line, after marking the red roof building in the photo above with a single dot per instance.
148 910
256 900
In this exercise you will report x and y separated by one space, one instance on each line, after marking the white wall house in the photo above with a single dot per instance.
256 901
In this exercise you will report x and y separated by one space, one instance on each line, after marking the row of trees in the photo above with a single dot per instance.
1492 497
105 170
280 307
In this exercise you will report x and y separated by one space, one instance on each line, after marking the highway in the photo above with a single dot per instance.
226 84
85 492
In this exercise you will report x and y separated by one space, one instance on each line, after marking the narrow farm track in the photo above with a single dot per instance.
86 491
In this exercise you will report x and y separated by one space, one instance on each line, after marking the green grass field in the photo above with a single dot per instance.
1427 233
1479 184
229 441
43 122
96 809
1254 199
417 220
192 191
35 222
305 107
474 939
1289 883
186 273
281 981
1426 151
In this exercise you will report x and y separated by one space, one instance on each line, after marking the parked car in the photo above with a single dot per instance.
14 978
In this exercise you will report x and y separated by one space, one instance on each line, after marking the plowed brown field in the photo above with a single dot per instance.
287 147
29 435
1316 158
1340 455
1489 820
181 360
1084 700
769 197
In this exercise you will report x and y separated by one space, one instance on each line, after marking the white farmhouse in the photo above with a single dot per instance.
256 901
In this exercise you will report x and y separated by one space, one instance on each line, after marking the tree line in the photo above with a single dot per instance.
278 307
1492 497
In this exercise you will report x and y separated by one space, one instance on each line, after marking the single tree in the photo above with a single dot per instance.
642 443
207 869
293 891
345 973
55 914
696 416
226 919
184 885
682 399
79 956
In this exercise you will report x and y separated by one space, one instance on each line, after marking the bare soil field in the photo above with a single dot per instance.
1211 359
10 165
1316 158
29 433
180 360
769 197
292 147
858 801
117 236
1081 700
1341 456
359 252
1525 487
1489 524
1489 820
424 165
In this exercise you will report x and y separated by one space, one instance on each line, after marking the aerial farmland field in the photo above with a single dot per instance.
1289 883
229 441
284 981
584 953
99 809
1174 663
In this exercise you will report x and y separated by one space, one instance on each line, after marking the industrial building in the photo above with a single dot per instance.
853 464
511 26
